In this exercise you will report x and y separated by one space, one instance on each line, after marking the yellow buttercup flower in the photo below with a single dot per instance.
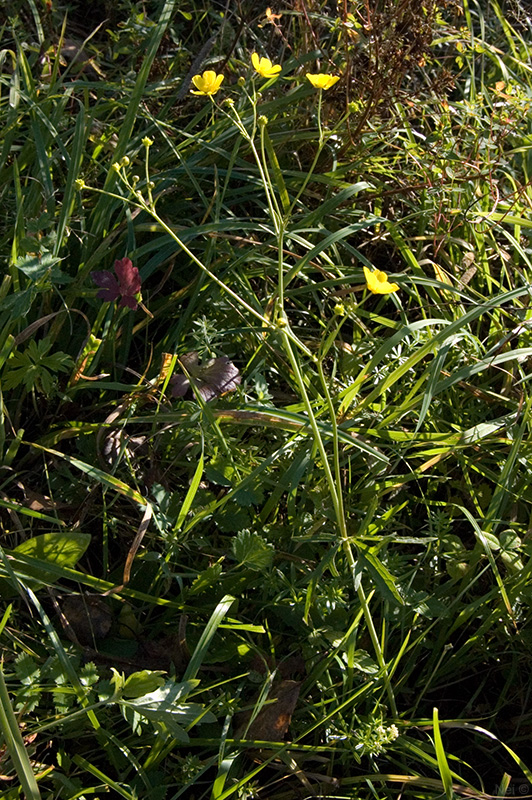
378 282
322 81
208 83
264 67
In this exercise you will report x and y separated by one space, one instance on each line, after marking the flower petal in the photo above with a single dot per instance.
208 83
128 301
264 66
322 81
378 283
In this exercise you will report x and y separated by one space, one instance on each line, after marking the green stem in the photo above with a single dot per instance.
346 544
321 145
334 482
15 744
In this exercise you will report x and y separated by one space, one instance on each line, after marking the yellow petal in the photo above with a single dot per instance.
197 80
322 81
264 66
378 283
208 83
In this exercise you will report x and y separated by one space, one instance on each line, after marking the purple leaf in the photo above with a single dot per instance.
216 377
180 385
129 282
125 288
110 289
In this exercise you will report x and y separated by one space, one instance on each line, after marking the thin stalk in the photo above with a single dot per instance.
321 145
15 744
334 482
335 491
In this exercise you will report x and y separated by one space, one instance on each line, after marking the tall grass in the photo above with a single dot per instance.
309 574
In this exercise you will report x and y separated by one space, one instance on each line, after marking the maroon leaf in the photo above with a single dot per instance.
125 288
110 289
129 281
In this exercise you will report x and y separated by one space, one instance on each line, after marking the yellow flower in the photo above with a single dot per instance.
322 81
264 67
378 282
208 83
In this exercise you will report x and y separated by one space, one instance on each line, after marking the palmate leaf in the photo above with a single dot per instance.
125 285
214 378
34 366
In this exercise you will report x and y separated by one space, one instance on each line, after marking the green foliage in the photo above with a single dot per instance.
252 551
308 502
48 549
34 368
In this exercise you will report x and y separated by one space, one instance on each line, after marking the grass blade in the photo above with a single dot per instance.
15 743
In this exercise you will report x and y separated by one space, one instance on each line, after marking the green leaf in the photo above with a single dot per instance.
209 577
61 549
64 549
363 661
27 670
161 706
251 550
142 683
14 742
492 541
382 577
443 764
249 496
36 266
232 520
191 494
205 639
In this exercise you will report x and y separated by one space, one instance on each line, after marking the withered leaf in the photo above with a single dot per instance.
87 617
272 722
215 377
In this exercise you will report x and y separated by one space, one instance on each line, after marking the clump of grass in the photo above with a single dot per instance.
265 412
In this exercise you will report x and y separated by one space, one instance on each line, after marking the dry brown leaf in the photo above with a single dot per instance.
272 722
